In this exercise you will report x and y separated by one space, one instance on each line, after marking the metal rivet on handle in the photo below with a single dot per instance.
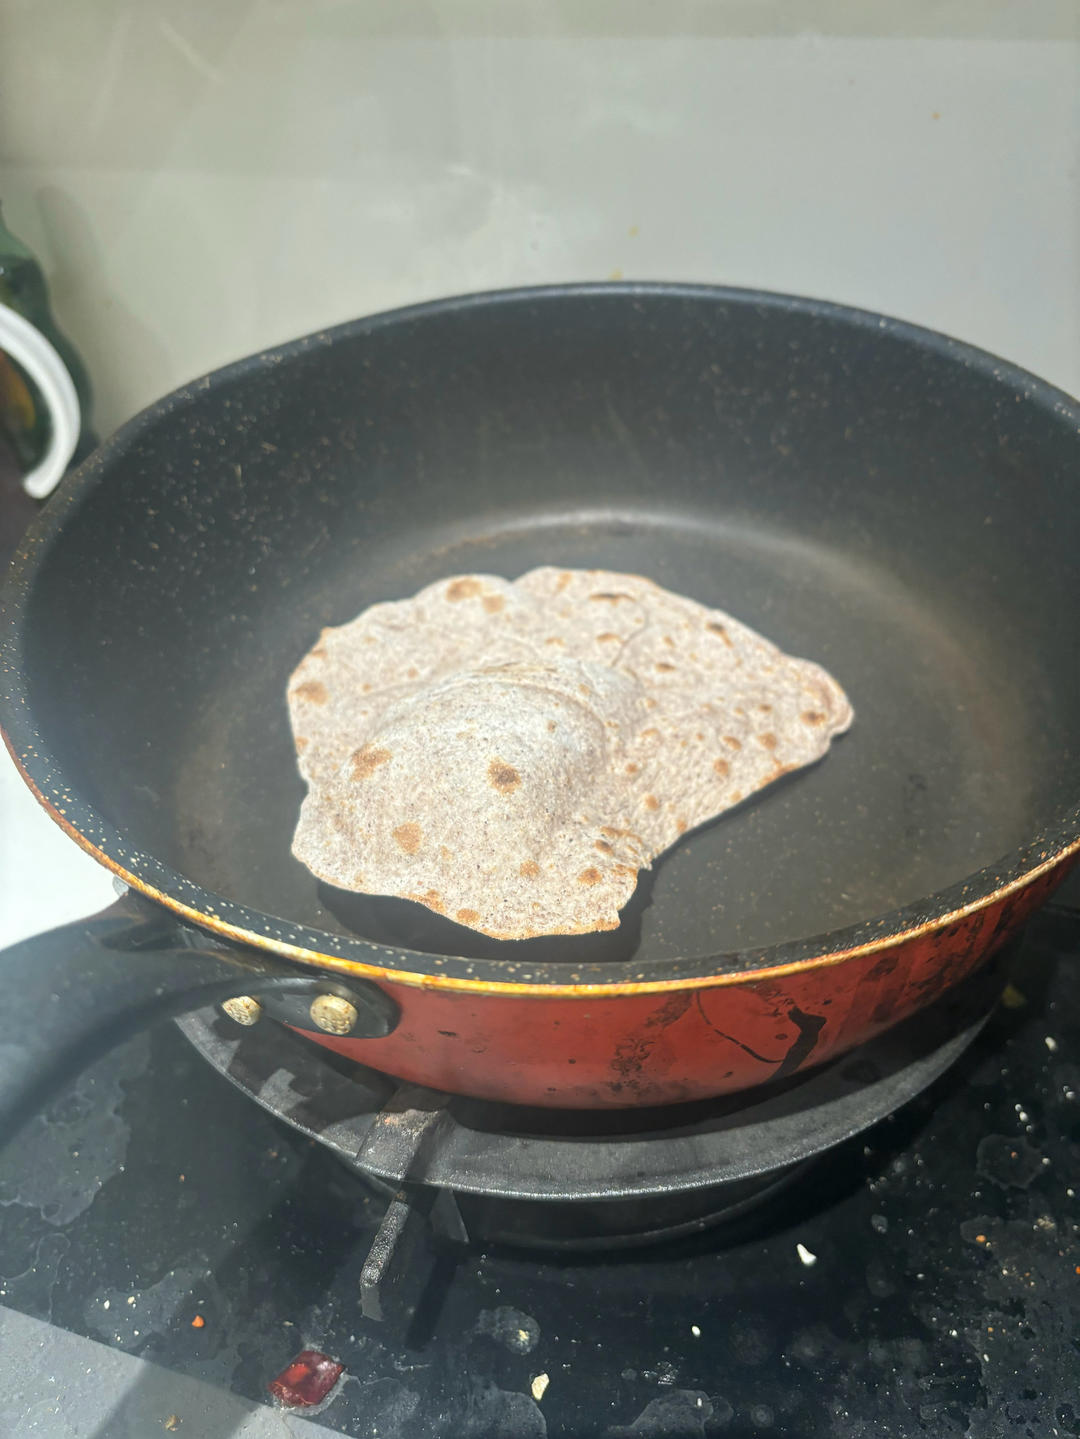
333 1014
243 1009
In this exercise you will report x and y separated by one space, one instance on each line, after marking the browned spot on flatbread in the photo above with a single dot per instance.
493 603
680 825
650 733
590 876
607 638
721 767
467 916
765 709
555 640
530 870
732 742
503 776
611 597
412 673
301 743
367 760
318 653
716 629
552 726
562 582
408 837
603 846
651 802
433 900
313 691
663 665
768 739
464 589
632 768
814 717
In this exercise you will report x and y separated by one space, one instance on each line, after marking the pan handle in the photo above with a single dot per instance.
69 996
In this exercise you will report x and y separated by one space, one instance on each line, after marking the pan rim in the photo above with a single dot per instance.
59 795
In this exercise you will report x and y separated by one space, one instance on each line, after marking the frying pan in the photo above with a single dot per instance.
886 501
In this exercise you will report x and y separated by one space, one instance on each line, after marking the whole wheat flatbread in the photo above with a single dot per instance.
512 754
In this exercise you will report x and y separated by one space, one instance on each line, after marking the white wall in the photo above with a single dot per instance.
206 177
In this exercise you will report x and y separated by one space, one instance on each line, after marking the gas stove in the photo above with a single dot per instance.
887 1245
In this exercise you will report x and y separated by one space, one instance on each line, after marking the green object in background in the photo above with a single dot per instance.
23 416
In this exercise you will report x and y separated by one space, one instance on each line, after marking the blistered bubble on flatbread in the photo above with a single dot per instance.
512 754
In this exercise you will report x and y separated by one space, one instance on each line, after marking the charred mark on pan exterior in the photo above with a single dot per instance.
761 1058
809 1027
632 1052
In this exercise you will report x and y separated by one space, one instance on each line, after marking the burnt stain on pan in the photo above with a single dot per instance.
809 1027
633 1051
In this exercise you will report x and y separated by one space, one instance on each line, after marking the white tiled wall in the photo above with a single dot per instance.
205 177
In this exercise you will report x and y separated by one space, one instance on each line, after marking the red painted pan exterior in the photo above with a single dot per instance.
595 1049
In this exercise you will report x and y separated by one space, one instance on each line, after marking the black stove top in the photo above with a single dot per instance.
922 1278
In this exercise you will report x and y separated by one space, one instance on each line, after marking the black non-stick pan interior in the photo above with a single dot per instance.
868 497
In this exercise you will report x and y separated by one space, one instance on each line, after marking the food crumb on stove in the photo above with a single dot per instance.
172 1423
106 1303
539 1386
1051 1043
198 1322
805 1255
695 1331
